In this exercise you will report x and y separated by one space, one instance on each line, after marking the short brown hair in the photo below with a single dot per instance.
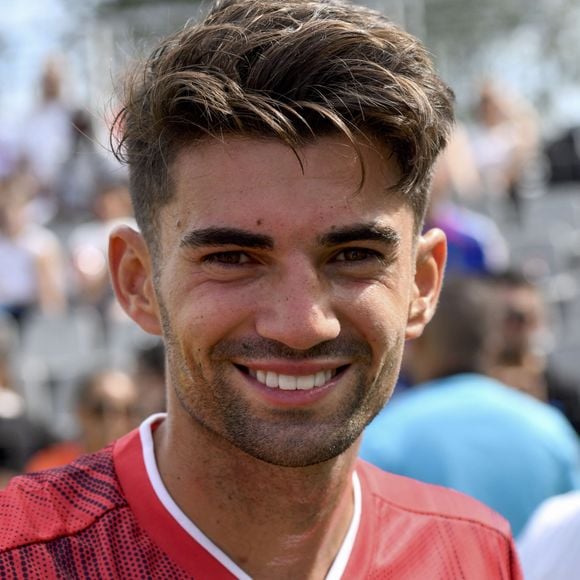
292 70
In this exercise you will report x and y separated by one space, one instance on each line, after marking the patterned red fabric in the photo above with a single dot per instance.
412 530
74 522
100 518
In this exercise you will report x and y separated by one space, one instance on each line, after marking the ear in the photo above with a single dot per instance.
132 277
430 257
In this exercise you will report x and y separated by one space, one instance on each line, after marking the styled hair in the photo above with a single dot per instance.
292 70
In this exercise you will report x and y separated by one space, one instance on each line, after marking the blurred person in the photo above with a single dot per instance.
548 546
20 437
31 260
9 156
149 376
106 409
280 154
459 428
521 359
83 172
46 137
506 143
563 156
88 242
475 244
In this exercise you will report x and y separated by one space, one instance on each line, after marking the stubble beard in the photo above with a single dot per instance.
289 437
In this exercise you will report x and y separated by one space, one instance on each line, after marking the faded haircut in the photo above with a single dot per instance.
291 70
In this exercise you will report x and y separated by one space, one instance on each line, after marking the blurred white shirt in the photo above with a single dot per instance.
549 546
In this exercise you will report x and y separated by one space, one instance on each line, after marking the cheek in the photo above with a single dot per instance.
206 315
380 316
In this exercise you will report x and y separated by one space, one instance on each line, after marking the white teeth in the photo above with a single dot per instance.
291 382
287 382
319 378
305 383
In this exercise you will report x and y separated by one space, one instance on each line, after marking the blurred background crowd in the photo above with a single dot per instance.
75 373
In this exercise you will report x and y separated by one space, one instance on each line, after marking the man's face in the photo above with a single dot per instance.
284 293
524 323
109 411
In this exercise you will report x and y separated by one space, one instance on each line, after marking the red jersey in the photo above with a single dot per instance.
105 516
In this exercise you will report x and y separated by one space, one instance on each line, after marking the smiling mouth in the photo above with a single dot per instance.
293 382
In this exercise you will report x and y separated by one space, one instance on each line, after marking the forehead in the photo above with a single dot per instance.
265 183
525 298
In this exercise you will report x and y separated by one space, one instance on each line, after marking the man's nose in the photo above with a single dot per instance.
297 309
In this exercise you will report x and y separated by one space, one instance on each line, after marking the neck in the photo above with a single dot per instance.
274 522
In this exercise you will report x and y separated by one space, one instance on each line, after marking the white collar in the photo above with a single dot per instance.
342 557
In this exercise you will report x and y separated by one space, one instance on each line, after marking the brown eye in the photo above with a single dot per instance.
227 258
356 255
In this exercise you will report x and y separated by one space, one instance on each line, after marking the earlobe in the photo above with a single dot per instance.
431 255
132 278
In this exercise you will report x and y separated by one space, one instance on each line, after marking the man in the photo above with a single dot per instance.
149 376
522 358
280 155
106 407
462 429
20 437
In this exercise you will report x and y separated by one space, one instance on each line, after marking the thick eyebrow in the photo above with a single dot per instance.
360 232
226 237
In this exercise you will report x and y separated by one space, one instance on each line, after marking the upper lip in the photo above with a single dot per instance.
293 368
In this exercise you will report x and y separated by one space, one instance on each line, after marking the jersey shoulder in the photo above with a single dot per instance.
56 503
425 500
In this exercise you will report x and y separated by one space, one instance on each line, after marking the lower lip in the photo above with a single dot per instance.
291 398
